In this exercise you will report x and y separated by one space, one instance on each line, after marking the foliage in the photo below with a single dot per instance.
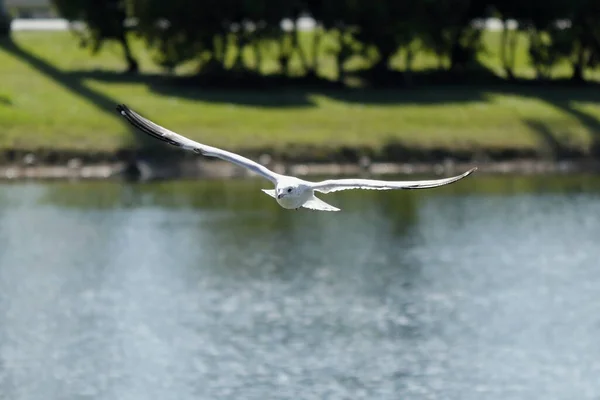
104 20
218 33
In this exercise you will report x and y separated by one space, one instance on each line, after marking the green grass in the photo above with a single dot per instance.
55 95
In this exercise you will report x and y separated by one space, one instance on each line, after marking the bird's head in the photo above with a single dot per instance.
287 191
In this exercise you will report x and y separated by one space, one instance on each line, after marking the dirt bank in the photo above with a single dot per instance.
202 168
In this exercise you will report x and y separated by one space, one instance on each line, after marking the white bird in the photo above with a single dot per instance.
290 192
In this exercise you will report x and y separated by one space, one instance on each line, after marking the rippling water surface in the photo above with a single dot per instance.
486 289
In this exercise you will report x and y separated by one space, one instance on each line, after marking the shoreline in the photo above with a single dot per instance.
203 169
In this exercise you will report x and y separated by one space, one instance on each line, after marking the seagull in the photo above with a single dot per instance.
290 192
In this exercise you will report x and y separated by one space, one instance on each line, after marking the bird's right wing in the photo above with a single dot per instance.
175 139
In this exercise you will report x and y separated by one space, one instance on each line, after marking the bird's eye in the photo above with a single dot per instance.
289 190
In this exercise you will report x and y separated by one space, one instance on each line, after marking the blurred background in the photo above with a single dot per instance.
132 270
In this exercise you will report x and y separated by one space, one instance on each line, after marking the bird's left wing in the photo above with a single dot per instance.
175 139
333 185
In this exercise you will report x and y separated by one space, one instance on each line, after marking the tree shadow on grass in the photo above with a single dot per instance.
430 88
554 146
5 100
564 96
591 122
275 91
265 91
75 85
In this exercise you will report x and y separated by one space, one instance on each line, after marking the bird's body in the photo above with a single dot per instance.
290 192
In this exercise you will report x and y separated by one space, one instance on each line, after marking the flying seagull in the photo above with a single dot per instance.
290 192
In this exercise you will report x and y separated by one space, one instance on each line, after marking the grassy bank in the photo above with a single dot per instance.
54 95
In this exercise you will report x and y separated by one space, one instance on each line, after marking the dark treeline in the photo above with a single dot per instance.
214 32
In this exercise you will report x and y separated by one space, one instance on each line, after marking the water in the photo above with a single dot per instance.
486 289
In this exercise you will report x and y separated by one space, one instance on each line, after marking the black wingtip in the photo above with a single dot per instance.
121 108
145 125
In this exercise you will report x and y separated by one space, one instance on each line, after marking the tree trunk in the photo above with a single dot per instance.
578 64
440 57
257 55
410 56
4 21
512 51
219 49
338 57
296 46
238 42
456 51
507 44
459 53
284 56
132 64
315 50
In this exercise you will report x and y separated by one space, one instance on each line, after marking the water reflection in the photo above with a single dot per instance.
208 289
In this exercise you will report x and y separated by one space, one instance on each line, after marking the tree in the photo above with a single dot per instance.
578 40
562 30
104 19
219 33
181 30
509 11
387 25
447 29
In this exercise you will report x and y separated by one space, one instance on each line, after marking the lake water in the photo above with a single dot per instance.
485 289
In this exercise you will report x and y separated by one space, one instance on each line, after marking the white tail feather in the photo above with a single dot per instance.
270 192
317 204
